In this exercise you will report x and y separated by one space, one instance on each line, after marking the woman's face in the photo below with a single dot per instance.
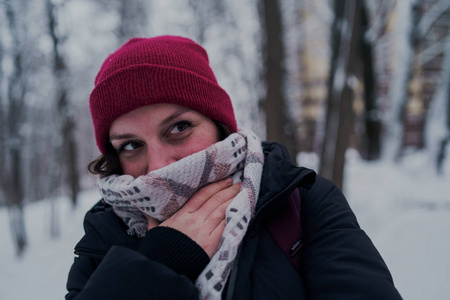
155 136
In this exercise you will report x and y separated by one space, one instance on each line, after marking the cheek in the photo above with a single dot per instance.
198 145
135 168
201 142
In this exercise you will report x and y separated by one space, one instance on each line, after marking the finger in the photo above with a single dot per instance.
219 199
217 216
218 231
196 213
200 197
214 239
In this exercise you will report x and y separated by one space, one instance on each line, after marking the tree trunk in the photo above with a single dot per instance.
133 19
443 144
69 148
2 131
17 224
12 175
339 117
198 7
279 127
442 154
371 140
71 157
403 31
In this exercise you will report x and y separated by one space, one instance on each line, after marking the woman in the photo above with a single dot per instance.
186 196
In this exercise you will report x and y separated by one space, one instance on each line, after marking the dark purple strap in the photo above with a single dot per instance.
286 229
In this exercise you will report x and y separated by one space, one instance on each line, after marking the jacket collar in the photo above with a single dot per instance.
280 177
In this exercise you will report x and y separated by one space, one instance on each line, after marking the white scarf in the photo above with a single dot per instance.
162 192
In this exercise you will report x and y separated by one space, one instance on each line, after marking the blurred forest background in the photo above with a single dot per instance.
318 76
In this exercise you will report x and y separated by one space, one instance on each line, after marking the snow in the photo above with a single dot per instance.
403 207
42 272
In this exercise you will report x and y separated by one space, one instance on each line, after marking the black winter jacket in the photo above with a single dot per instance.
338 259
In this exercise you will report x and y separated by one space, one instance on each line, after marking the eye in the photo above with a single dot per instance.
129 146
180 127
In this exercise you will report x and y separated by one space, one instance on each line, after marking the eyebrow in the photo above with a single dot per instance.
121 136
173 116
164 122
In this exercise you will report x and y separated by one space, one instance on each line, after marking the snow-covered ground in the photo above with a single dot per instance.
404 208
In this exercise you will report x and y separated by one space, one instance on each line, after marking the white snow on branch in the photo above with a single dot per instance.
432 15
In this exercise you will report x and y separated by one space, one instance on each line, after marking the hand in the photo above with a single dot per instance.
202 218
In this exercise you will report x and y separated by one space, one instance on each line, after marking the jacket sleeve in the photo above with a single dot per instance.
156 270
339 259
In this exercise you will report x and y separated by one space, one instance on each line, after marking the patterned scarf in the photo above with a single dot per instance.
162 192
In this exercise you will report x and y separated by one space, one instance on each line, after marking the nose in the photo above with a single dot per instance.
158 156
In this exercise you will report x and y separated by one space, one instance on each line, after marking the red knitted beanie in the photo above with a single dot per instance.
165 69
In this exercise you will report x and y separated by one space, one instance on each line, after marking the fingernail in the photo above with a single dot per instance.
229 180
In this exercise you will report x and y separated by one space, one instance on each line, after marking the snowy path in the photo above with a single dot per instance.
405 210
